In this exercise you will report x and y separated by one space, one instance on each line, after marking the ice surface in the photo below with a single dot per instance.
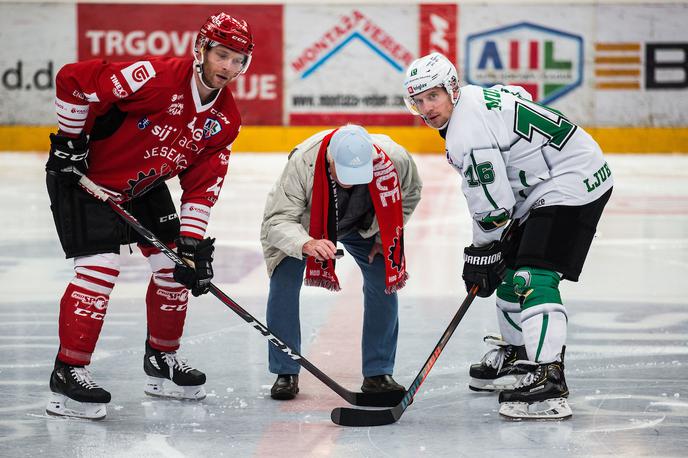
627 354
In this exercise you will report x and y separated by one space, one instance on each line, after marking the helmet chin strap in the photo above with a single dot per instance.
436 128
444 125
425 119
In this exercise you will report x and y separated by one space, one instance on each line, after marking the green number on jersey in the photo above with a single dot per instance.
558 132
485 174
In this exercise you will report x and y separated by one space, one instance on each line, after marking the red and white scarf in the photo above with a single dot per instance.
385 192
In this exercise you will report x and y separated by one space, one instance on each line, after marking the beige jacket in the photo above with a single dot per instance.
287 215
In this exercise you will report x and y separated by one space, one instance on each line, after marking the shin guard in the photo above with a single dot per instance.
509 311
166 302
543 316
83 306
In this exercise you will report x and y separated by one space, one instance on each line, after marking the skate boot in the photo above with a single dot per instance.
540 395
496 370
75 394
187 382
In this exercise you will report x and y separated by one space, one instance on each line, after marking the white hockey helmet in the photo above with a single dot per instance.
426 73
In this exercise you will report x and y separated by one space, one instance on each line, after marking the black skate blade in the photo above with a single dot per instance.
386 399
344 416
481 390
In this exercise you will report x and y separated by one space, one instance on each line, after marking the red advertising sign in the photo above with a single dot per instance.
438 29
120 32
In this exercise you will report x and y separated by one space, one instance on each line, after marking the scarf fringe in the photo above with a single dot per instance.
322 283
398 284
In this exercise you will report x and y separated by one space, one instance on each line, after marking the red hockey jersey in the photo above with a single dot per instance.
147 124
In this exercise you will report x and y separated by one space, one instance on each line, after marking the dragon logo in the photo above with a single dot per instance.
147 181
522 279
323 263
396 251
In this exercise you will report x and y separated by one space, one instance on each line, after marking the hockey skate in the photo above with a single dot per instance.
496 370
167 368
75 394
540 395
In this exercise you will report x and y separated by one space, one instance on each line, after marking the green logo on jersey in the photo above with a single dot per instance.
414 71
600 177
493 99
522 283
558 131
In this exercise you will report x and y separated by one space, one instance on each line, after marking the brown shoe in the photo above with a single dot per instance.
380 384
285 388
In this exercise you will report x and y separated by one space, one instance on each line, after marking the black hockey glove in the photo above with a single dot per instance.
68 157
484 266
198 275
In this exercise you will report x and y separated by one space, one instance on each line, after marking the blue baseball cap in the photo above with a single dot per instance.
351 148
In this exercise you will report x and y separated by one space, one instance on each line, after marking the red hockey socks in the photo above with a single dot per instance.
83 307
166 302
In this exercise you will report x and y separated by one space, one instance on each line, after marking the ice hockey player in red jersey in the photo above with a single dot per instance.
130 126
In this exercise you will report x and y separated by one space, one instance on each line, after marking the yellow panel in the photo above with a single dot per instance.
416 139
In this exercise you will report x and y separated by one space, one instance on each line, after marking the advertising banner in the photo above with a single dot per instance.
639 62
32 53
119 32
346 63
601 65
539 47
438 30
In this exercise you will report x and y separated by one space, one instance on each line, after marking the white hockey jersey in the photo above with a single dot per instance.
515 155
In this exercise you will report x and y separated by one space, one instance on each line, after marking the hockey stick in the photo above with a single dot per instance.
356 398
345 416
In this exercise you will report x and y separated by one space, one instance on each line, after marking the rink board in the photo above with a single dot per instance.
620 67
414 139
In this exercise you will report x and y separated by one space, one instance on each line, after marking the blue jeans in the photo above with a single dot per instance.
380 316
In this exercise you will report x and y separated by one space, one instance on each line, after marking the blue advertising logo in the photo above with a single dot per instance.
547 62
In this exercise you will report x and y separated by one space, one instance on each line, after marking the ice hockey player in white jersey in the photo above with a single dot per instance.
527 163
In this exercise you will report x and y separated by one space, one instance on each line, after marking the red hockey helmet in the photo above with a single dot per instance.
229 31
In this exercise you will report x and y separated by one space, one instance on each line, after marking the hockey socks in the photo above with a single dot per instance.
83 307
166 302
543 316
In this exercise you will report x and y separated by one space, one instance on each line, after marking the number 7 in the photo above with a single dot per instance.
557 132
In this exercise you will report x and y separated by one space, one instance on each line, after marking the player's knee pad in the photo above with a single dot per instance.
96 272
509 311
162 268
507 299
538 291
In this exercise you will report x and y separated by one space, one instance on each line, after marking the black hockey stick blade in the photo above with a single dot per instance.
345 416
388 399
